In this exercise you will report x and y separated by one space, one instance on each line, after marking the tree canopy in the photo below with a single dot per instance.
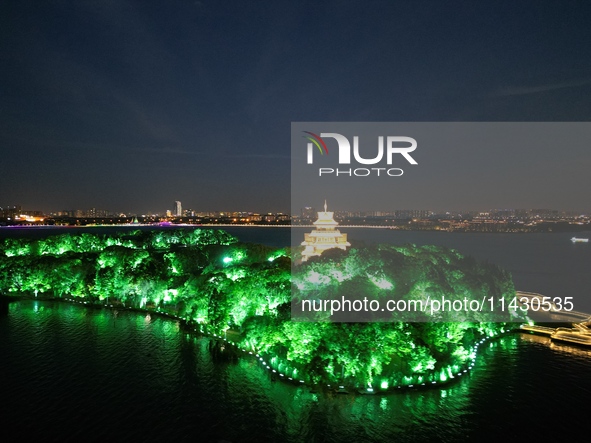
211 279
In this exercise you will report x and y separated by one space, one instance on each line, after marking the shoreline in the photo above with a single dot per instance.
201 330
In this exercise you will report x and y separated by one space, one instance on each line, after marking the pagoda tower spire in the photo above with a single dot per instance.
324 236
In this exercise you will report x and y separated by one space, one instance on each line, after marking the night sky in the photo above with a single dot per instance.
128 106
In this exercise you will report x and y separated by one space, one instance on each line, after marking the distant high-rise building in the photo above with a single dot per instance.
10 211
178 209
308 212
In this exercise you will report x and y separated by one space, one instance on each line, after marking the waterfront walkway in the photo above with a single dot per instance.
579 333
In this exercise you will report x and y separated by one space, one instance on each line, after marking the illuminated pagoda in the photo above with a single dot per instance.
324 237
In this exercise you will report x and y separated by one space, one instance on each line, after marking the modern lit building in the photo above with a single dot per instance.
178 209
324 237
308 212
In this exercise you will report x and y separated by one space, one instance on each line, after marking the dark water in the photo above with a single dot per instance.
69 373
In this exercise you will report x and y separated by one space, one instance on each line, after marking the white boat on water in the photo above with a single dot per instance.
579 240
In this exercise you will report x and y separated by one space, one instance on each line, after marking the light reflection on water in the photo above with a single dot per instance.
70 372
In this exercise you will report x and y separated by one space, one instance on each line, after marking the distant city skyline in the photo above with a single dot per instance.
305 212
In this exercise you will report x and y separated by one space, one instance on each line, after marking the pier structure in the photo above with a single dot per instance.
579 333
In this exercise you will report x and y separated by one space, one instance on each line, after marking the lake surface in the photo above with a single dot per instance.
71 373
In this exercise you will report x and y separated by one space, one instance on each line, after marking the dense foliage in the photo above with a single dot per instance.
219 284
411 275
